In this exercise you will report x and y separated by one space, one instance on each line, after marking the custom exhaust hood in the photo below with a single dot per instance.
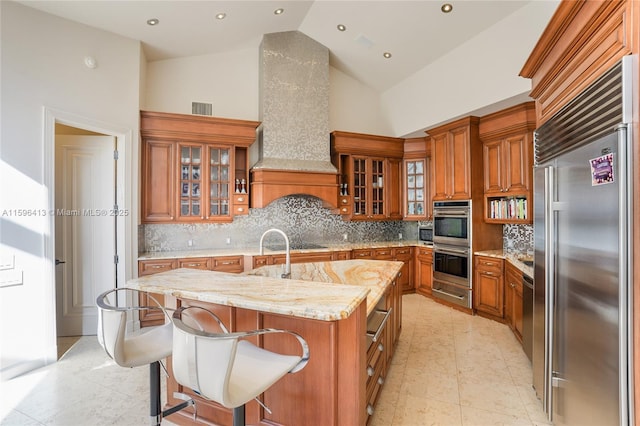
294 153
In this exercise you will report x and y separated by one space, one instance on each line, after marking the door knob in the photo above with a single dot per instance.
58 261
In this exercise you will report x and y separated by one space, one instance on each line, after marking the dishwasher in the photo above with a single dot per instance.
527 315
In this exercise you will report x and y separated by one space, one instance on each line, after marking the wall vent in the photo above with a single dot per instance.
201 108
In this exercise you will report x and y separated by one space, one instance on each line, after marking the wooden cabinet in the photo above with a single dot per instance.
370 170
507 141
424 270
513 299
280 259
149 267
456 155
406 280
582 41
417 204
234 264
194 168
488 286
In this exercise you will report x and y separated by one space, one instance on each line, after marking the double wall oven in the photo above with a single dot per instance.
452 252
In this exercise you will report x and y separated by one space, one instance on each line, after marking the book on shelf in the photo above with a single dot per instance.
508 208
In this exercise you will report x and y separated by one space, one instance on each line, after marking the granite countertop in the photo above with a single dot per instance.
337 290
255 251
515 258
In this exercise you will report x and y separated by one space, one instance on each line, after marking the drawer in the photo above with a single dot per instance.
148 267
228 263
195 263
241 199
383 254
404 251
362 254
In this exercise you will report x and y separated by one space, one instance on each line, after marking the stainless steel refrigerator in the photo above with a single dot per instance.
582 349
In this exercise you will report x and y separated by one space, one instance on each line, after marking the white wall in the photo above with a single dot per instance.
355 107
227 80
42 66
480 72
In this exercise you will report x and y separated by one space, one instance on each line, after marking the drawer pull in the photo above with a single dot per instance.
370 371
380 380
241 209
240 199
381 347
158 266
370 409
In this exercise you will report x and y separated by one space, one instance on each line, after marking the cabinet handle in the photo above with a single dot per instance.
344 209
158 266
240 199
370 371
192 264
370 409
380 380
240 209
381 347
488 273
344 201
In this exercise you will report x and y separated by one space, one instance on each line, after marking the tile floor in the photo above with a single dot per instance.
450 369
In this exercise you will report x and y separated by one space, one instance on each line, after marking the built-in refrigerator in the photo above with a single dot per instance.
582 348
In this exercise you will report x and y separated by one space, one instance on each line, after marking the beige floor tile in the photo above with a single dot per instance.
450 368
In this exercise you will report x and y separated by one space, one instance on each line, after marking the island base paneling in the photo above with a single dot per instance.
330 390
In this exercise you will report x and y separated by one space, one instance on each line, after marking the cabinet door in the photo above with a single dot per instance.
415 189
377 185
406 279
424 278
394 188
492 162
158 170
190 182
440 170
517 311
219 182
360 193
489 286
517 163
459 159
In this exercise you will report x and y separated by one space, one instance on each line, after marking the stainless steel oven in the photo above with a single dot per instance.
452 222
452 264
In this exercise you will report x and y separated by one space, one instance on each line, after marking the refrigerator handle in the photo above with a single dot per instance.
625 169
549 255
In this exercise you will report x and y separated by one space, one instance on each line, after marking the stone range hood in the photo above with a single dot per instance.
294 152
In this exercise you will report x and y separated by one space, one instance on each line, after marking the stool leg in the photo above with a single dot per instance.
155 411
238 416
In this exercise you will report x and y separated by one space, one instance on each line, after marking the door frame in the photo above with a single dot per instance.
127 241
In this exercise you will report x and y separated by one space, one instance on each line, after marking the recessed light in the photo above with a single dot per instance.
153 21
386 55
446 8
342 27
221 15
279 11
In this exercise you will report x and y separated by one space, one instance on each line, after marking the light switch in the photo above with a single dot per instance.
10 278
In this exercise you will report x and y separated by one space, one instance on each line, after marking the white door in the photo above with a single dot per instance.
85 229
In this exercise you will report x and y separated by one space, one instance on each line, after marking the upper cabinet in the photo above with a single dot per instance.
456 156
194 168
370 175
582 41
417 203
507 145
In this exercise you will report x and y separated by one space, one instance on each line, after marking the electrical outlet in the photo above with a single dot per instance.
228 240
190 243
345 237
400 235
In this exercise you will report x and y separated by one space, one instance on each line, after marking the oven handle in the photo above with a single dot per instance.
451 213
451 251
448 294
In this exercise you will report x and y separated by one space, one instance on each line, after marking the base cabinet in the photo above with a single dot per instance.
233 264
489 286
513 299
424 270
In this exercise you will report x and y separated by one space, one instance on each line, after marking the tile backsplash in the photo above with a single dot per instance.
518 238
302 218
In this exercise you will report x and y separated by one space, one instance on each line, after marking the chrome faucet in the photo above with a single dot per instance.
287 265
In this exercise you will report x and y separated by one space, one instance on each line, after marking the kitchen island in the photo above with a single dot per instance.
330 304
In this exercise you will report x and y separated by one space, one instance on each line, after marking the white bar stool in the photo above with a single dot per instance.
147 346
225 369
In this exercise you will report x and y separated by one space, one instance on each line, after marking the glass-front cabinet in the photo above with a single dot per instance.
194 168
368 188
417 203
415 193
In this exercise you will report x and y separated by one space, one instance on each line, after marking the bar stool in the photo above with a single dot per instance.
223 368
145 347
